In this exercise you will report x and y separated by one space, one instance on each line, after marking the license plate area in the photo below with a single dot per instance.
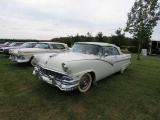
53 82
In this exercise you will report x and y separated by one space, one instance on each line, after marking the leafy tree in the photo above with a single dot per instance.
142 19
99 37
119 38
89 37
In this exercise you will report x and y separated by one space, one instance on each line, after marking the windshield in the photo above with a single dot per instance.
42 45
12 44
6 43
24 44
87 49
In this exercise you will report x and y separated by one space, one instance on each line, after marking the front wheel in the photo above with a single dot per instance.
33 61
85 83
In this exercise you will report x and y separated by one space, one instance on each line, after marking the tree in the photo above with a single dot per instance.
119 38
142 19
89 37
99 37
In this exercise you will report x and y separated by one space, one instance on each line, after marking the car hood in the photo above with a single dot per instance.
11 47
54 61
31 50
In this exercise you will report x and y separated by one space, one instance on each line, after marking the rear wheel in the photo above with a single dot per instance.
85 83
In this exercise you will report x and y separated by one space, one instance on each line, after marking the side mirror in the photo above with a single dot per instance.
100 54
51 47
106 54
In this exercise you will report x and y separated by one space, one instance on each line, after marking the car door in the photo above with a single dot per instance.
109 60
120 60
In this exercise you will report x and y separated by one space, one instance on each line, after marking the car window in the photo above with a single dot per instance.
108 51
25 44
18 44
57 46
115 51
111 51
6 43
32 45
12 44
42 45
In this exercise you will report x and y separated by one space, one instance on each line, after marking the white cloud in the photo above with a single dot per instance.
46 19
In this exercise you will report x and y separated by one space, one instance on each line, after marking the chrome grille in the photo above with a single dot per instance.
47 73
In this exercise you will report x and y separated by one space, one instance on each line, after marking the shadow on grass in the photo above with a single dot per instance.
19 65
4 56
45 90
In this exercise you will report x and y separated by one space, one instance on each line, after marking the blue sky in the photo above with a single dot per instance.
47 19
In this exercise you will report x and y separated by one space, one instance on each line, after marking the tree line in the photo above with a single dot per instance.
118 39
142 18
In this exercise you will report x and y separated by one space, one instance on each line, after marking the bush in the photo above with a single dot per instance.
123 47
133 49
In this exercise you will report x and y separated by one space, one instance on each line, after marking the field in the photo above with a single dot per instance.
135 94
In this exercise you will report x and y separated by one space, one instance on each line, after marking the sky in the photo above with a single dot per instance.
47 19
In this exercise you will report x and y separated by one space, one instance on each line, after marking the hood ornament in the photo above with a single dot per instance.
49 57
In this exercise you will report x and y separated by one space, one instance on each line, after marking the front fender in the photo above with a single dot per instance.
77 76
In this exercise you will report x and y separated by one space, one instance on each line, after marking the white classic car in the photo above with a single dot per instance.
87 62
26 54
25 45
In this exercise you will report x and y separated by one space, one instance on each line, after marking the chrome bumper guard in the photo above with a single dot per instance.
18 59
63 82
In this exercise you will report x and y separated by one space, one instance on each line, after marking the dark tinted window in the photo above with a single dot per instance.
57 46
18 44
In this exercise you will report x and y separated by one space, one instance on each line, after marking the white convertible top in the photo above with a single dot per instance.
101 44
98 43
52 42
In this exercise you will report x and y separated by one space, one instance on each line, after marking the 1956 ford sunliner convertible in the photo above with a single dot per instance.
86 63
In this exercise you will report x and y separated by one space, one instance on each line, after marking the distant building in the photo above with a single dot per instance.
154 48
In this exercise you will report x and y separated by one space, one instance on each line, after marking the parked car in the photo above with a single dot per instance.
86 63
5 49
26 54
25 45
6 44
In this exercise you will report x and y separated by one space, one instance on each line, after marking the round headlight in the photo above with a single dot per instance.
19 53
64 67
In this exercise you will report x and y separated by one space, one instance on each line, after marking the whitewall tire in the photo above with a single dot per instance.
85 83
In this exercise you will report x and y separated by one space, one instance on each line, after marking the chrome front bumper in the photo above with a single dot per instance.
17 59
62 84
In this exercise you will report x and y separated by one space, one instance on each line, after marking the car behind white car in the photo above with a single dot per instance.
26 54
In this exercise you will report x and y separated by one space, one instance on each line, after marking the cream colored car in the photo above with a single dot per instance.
86 63
26 54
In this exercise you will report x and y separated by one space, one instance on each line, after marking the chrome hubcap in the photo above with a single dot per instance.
84 82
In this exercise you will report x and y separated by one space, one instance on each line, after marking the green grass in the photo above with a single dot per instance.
129 96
